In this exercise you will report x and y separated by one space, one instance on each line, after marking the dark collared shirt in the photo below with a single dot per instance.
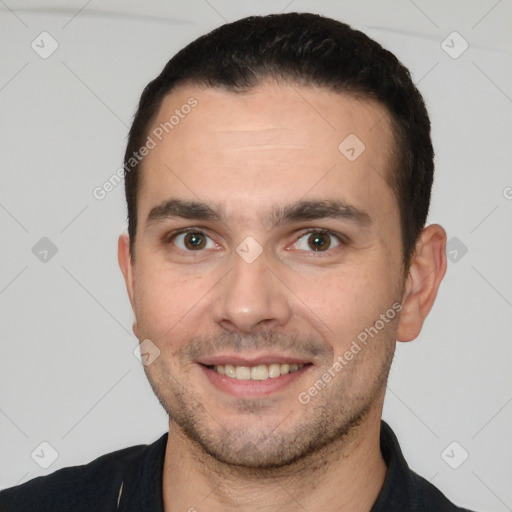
130 480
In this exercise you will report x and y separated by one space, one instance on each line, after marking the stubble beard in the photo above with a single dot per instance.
331 417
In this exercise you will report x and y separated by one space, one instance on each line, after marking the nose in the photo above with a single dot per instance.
251 297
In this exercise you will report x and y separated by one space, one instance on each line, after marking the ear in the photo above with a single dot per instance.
126 264
426 272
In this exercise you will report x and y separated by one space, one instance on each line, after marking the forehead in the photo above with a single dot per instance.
268 142
273 113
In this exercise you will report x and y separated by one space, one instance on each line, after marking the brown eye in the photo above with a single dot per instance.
192 241
318 241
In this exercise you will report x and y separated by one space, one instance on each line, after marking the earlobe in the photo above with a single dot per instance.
426 272
126 265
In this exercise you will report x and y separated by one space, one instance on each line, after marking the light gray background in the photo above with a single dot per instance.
68 374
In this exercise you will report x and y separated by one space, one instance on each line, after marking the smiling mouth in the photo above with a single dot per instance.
259 372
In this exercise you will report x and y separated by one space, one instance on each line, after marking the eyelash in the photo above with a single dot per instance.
340 238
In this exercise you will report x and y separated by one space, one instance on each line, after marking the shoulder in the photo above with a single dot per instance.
92 486
403 489
431 499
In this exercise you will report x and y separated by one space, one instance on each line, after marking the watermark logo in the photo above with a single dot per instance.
157 135
456 249
454 455
454 45
44 250
44 455
341 361
249 249
44 45
147 352
351 147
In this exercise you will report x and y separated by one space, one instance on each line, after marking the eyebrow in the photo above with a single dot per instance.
299 211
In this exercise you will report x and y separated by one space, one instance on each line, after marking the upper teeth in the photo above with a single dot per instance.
260 372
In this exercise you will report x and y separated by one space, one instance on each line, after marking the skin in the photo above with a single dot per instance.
248 152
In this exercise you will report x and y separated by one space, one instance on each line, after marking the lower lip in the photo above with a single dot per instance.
252 388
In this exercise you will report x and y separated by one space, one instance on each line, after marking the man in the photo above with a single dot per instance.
278 175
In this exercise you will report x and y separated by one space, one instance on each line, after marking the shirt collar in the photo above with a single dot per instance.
399 491
141 488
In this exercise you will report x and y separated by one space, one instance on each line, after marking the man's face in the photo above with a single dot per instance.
265 285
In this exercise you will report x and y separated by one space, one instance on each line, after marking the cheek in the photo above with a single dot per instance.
343 303
167 301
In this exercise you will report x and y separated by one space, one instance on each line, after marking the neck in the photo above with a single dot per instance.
345 475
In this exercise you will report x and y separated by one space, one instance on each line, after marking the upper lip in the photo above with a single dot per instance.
239 360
